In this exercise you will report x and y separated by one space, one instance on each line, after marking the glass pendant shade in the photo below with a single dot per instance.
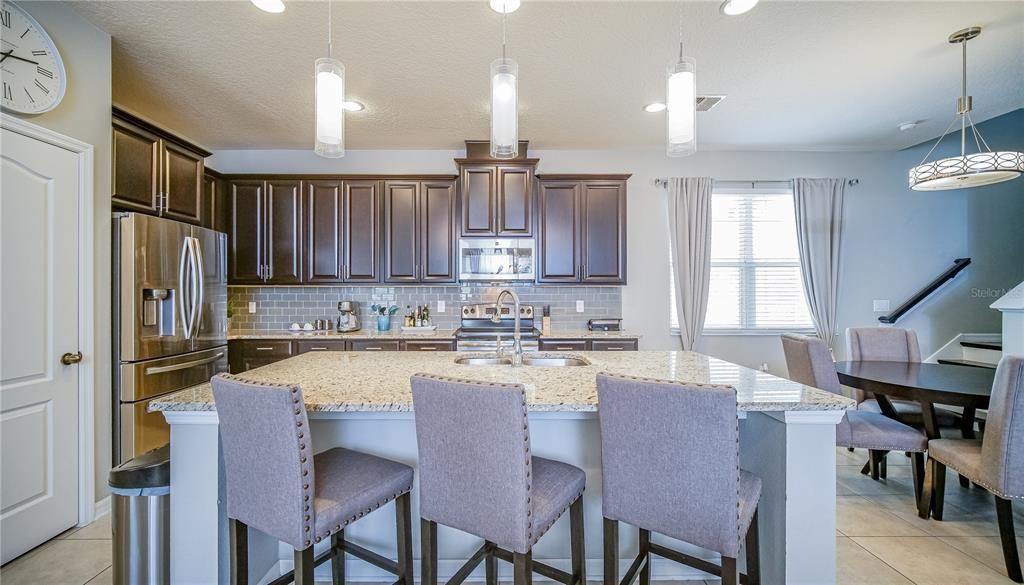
504 108
681 102
972 170
330 108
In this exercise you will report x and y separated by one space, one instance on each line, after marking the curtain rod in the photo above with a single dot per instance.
659 182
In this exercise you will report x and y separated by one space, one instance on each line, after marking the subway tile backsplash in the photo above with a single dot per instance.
277 307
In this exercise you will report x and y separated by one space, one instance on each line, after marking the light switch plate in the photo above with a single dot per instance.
880 305
252 307
579 306
440 306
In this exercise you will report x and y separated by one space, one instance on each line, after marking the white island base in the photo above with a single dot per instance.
792 451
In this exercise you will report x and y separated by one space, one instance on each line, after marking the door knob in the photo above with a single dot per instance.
71 358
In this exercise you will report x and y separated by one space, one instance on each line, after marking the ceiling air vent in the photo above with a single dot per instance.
706 102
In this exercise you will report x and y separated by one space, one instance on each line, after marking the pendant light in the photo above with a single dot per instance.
681 102
984 167
504 101
330 101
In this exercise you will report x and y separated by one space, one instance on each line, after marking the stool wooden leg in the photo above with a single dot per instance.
938 488
611 552
645 551
238 536
337 558
753 553
428 552
729 574
577 542
1004 514
522 565
403 522
491 566
304 566
917 469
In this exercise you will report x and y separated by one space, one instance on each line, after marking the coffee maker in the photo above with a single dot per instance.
349 319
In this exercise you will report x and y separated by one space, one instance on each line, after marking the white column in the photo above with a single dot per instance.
1012 307
794 454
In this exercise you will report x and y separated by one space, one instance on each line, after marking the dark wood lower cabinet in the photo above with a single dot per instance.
428 346
371 345
308 345
562 345
589 344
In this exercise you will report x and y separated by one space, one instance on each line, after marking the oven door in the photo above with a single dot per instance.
496 260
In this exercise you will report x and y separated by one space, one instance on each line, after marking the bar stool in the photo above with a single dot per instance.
477 476
670 461
277 485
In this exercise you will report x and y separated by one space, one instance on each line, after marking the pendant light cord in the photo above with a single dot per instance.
504 30
680 33
330 31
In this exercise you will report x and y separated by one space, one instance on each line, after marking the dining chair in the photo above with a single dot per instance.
996 462
478 475
670 465
809 362
276 484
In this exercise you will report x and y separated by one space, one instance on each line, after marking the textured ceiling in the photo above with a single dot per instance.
799 75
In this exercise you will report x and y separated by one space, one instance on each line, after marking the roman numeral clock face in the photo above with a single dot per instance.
31 70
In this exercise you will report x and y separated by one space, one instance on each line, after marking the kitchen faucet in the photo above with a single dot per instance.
517 345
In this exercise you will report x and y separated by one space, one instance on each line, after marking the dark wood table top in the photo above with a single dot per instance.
930 381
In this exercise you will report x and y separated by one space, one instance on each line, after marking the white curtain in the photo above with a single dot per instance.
689 222
819 231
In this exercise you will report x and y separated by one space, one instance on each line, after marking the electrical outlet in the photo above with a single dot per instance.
252 307
440 306
880 305
579 306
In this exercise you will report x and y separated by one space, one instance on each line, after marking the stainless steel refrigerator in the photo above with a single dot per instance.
169 321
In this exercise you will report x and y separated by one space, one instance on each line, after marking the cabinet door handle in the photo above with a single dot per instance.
264 349
372 348
318 349
563 348
615 348
427 348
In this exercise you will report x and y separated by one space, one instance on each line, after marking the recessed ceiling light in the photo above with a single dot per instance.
737 7
274 6
504 6
353 106
655 107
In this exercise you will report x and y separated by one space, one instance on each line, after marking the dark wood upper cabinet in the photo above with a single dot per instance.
496 199
183 182
361 260
248 218
284 232
216 204
604 231
479 187
558 232
515 201
324 227
581 222
154 171
136 168
437 231
401 244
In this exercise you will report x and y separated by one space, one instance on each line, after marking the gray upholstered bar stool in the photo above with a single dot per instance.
277 485
810 363
670 460
995 463
477 475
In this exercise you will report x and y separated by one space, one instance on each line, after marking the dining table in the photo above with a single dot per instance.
925 383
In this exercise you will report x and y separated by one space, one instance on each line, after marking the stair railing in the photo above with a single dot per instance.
958 265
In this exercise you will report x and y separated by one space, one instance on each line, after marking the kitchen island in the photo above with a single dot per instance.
363 401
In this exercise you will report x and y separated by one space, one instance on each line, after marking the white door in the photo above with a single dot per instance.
38 324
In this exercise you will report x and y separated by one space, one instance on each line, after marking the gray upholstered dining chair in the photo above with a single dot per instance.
996 462
277 485
810 363
670 465
477 475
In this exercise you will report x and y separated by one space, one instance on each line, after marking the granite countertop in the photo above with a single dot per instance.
377 382
366 333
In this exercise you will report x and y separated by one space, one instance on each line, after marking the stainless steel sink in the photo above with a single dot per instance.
554 362
484 361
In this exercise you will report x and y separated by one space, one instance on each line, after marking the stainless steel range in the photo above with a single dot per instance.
479 333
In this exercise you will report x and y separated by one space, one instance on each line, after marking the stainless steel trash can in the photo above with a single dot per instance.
141 503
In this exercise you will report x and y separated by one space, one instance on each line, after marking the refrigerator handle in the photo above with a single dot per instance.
196 294
183 265
199 273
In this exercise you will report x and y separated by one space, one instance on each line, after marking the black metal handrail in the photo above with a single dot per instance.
958 265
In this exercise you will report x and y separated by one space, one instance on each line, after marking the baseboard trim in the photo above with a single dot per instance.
101 508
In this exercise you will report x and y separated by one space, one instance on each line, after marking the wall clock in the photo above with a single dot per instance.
33 76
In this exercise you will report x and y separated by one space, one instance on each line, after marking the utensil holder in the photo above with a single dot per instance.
383 322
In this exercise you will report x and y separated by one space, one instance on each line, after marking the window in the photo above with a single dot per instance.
755 264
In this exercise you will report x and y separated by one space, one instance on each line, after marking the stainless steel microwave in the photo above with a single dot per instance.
501 259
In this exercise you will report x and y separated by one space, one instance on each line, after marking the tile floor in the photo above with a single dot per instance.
879 541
